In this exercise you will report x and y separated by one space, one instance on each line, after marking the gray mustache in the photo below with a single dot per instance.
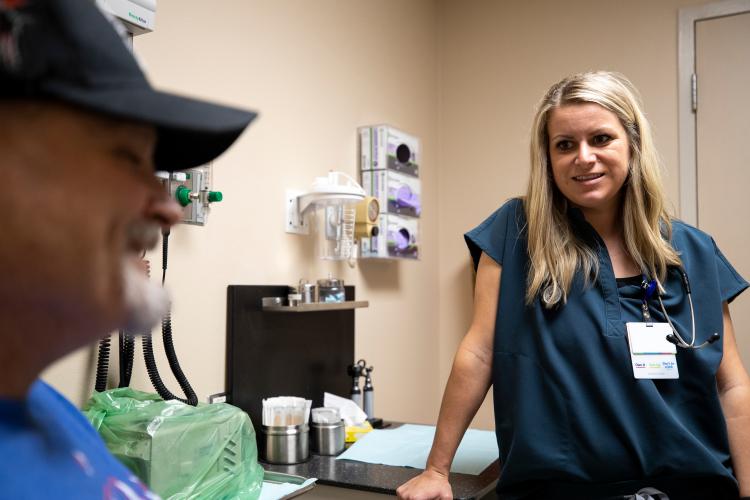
143 236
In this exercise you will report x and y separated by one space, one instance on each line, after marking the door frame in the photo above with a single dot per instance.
688 168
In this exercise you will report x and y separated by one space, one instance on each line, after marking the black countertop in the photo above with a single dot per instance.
384 478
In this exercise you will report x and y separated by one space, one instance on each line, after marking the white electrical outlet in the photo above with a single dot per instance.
218 398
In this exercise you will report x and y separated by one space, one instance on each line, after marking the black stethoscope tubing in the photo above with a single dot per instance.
649 287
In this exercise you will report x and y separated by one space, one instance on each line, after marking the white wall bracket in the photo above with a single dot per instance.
295 220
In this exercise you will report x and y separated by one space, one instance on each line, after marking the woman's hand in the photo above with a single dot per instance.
429 485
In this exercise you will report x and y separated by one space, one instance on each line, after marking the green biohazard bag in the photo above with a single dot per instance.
181 452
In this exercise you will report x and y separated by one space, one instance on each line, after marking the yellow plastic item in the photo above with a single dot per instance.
366 217
354 432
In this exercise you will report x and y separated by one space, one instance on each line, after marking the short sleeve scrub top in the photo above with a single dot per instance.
570 417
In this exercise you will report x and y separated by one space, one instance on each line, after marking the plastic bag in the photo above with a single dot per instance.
181 452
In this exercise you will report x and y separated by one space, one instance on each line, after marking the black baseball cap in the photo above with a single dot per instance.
68 50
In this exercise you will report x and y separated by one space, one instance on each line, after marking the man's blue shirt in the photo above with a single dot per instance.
49 450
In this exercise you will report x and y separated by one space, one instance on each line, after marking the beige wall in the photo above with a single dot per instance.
315 71
497 58
462 75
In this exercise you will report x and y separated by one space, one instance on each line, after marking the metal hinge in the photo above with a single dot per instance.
694 91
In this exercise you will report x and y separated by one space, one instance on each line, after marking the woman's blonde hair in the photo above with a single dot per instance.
556 253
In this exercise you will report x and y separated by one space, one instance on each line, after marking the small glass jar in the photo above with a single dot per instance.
331 290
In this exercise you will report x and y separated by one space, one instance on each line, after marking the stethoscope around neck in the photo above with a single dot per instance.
651 288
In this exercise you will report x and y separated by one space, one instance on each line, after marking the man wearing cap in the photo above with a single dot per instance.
81 132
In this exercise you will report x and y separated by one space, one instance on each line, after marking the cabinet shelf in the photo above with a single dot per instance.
319 306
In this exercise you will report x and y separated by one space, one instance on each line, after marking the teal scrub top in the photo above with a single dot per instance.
567 406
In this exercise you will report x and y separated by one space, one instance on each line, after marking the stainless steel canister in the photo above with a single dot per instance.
294 297
287 444
328 439
309 292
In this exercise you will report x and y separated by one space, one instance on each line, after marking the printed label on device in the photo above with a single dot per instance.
652 355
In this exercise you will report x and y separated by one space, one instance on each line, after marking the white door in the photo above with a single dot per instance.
722 62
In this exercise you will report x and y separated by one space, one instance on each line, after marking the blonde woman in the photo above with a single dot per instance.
595 273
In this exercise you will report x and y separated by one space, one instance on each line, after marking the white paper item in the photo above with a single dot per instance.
286 410
409 445
350 412
279 491
325 415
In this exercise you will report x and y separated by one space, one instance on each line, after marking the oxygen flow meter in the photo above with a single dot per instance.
192 190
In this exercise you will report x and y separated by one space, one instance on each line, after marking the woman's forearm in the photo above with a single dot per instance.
735 402
466 388
734 393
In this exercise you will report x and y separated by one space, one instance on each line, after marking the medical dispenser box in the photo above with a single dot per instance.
396 193
383 147
398 239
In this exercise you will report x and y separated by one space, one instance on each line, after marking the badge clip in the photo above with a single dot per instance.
648 287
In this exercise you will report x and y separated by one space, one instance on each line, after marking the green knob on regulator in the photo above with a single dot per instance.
214 196
183 196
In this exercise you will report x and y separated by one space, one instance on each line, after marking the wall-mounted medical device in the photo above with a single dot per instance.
398 238
397 193
385 147
389 168
330 207
139 16
191 188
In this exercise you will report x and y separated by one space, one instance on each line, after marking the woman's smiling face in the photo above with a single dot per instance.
589 154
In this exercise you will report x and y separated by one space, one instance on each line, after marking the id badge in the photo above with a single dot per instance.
651 354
